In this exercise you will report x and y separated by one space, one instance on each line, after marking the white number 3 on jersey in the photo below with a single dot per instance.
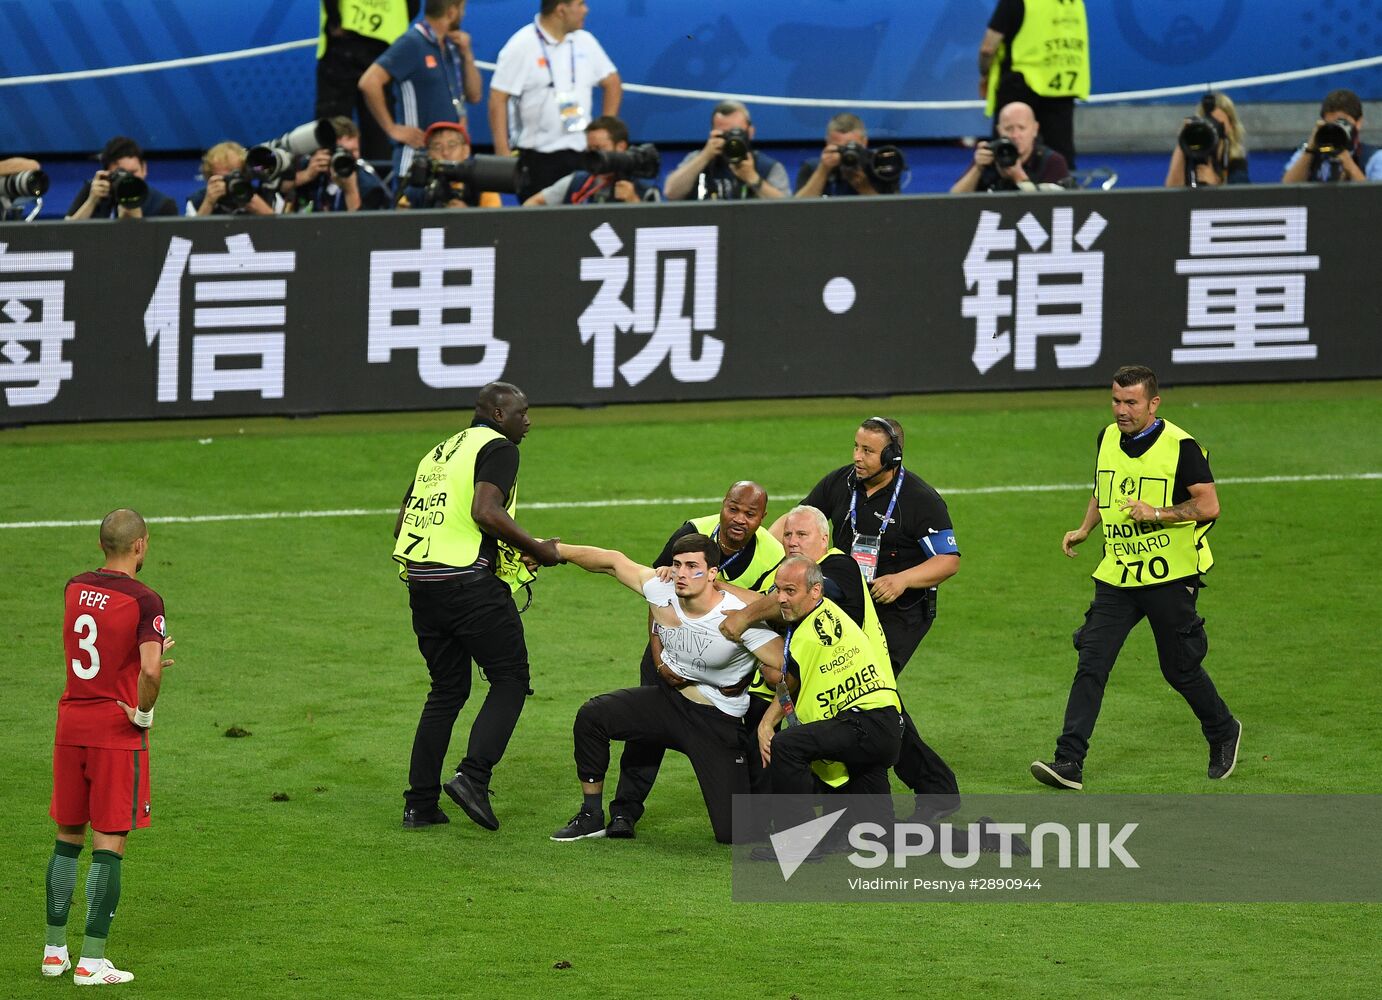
87 624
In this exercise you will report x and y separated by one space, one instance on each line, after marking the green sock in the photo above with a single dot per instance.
62 878
102 896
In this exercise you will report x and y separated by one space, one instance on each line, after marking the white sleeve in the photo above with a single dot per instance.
1373 168
756 637
556 193
510 67
659 594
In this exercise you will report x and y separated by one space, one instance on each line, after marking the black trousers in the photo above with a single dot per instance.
658 716
1181 646
1055 115
919 767
639 762
338 76
470 619
540 170
866 742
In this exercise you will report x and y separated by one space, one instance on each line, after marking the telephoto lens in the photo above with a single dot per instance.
25 184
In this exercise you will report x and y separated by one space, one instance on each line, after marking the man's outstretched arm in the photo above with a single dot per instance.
610 561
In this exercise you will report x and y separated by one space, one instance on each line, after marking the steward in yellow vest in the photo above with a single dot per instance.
840 700
353 34
457 546
1050 50
1155 499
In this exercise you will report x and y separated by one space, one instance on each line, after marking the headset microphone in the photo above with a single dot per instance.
891 456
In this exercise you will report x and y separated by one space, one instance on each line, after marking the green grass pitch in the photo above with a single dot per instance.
276 867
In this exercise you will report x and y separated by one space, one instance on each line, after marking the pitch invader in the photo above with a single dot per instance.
698 703
114 638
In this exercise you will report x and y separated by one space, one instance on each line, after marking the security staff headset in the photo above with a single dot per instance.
892 452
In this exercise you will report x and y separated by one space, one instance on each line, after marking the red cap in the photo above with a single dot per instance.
436 127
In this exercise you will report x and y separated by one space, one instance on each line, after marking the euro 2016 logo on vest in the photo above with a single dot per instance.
828 635
1127 486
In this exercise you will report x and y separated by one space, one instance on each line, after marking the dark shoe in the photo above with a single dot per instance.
584 825
934 808
620 828
473 799
1059 774
421 817
989 843
1224 756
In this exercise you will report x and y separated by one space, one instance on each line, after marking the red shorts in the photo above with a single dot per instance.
107 788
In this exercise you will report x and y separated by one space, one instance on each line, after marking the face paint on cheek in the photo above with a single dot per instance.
697 576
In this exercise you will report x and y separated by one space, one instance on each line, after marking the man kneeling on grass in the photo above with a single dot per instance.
699 703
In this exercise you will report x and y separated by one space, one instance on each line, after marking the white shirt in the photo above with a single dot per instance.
577 64
696 650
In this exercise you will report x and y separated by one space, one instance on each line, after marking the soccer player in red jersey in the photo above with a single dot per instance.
113 641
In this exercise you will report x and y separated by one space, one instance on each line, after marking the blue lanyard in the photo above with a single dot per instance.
724 566
446 64
887 517
1149 429
547 58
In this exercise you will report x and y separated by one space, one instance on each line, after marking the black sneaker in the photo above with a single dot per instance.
620 828
1223 757
584 825
991 843
473 799
932 808
1059 774
421 817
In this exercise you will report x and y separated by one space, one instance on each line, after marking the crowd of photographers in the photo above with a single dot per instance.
541 97
318 166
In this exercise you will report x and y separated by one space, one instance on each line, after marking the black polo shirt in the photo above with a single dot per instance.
920 514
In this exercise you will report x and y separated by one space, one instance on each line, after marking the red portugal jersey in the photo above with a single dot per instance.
107 615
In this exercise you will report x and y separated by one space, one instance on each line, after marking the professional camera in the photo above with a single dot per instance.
239 189
1333 138
736 148
1004 151
637 161
25 184
479 173
1200 136
273 160
343 163
128 190
883 163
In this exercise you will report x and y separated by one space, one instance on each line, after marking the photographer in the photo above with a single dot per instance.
447 143
122 169
1336 150
21 179
728 167
229 190
1015 161
1212 142
337 180
606 134
858 173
